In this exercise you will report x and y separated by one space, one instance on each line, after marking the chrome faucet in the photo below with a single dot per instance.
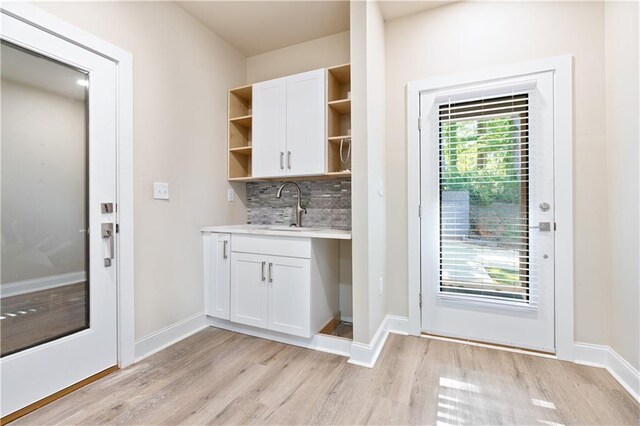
299 208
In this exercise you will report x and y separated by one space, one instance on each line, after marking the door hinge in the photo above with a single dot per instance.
555 226
420 299
420 210
419 123
117 228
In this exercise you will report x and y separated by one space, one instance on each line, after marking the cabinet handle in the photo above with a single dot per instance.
263 265
270 272
225 243
281 160
289 160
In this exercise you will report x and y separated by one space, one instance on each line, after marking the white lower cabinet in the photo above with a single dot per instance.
249 289
288 295
217 274
282 284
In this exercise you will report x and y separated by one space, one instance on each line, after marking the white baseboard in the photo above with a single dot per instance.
366 355
319 342
169 335
605 357
38 284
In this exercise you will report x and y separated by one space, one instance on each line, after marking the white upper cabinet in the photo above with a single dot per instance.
269 128
306 124
289 126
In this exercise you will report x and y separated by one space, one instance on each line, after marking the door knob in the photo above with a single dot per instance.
544 206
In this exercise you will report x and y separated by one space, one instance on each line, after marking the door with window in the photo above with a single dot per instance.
487 224
58 188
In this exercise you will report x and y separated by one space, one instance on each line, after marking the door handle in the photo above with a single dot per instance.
263 265
270 272
281 160
107 234
289 160
542 226
225 243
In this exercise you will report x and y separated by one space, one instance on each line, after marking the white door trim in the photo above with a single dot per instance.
561 66
124 66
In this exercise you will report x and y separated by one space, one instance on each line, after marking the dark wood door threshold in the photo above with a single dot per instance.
46 400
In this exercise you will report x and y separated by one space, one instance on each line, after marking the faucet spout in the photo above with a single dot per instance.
299 209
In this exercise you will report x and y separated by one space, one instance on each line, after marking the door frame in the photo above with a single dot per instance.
562 67
36 17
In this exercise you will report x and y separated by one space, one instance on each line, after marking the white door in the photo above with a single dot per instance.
217 275
306 153
249 289
58 291
289 287
269 128
487 224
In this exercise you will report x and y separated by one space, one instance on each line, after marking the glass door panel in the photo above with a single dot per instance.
44 290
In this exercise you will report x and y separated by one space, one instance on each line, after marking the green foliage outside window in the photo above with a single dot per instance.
482 157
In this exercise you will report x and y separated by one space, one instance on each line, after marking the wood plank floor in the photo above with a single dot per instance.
219 377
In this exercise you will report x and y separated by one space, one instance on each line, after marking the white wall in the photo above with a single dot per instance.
368 181
468 36
182 72
319 53
43 182
623 140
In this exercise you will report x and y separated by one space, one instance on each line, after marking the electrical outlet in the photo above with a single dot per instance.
231 195
160 191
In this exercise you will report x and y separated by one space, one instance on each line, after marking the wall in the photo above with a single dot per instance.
319 53
43 182
182 72
623 140
368 186
468 36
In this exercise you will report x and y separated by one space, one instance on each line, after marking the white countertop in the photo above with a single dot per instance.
280 230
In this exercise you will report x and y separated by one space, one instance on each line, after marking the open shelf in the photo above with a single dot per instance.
338 82
239 133
242 150
240 102
338 118
342 106
244 121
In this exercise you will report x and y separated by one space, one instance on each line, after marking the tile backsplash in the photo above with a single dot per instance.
328 203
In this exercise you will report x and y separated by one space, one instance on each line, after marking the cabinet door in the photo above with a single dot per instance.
306 145
249 289
289 295
269 128
217 275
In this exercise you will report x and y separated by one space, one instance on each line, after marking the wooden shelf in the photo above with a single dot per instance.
336 139
244 150
342 106
244 121
338 82
338 117
239 133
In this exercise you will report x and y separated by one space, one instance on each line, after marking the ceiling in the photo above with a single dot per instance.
392 9
35 71
255 27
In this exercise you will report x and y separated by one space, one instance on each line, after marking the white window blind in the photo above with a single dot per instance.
484 183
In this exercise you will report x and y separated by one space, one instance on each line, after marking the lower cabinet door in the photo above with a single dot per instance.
249 289
217 273
289 282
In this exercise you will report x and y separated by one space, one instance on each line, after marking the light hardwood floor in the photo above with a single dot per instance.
219 377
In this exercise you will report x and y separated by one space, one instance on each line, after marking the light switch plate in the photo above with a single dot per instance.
231 195
160 191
